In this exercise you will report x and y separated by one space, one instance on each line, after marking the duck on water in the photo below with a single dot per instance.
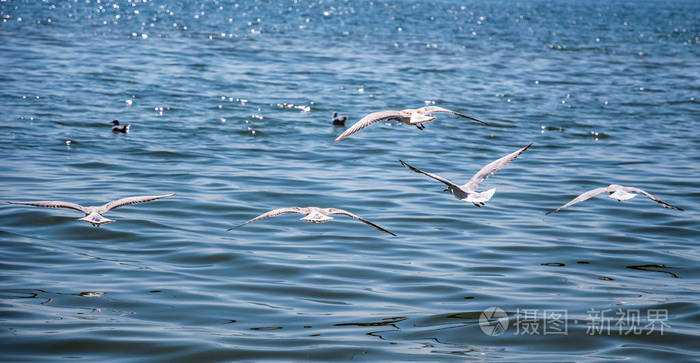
123 128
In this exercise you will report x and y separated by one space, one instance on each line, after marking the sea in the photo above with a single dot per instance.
230 106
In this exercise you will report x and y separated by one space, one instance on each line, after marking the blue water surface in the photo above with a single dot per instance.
230 104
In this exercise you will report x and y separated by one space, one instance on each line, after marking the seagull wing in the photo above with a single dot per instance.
273 213
436 177
492 168
585 196
368 120
130 200
54 204
637 190
438 109
344 212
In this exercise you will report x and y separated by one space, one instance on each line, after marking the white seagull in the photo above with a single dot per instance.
617 192
313 215
468 192
408 116
93 215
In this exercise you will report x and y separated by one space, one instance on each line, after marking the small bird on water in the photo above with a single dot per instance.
313 215
120 128
339 120
93 214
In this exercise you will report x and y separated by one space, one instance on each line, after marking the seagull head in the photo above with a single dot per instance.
612 188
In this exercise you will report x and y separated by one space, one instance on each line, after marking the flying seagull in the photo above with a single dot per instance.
408 116
339 120
120 128
617 192
468 192
313 215
93 215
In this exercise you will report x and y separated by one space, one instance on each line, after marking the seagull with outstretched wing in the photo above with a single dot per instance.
617 192
469 191
416 117
93 214
313 215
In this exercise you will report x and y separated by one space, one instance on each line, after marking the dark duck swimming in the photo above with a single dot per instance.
119 127
339 120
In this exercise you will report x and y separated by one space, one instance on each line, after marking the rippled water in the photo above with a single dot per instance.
230 106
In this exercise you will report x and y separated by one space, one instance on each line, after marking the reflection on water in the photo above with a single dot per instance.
383 322
659 267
